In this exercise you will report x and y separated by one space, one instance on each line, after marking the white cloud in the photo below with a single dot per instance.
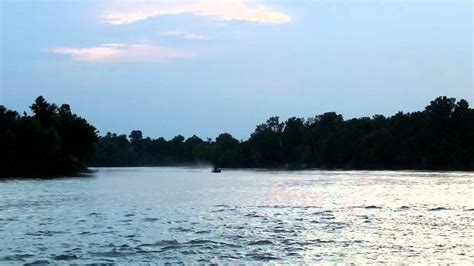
185 35
225 10
123 53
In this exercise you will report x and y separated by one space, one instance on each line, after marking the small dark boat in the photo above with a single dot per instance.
216 170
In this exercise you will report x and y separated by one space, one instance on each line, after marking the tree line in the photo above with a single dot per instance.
51 141
439 137
55 141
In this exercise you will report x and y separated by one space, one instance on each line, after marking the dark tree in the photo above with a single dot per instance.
439 137
136 136
53 141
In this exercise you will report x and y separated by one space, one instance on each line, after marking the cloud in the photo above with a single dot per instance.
226 10
185 35
123 53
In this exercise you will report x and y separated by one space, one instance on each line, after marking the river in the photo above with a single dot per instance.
190 215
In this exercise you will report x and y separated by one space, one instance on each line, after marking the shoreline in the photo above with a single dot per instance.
90 171
290 169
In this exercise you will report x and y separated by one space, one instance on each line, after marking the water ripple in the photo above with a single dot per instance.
162 215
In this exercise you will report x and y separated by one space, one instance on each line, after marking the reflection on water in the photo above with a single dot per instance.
191 215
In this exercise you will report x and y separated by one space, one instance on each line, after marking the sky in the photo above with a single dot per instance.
206 67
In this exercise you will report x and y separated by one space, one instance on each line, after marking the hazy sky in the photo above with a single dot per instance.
206 67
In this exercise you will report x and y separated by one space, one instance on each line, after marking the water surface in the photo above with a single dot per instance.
184 215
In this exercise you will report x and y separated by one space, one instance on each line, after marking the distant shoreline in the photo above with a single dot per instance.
90 171
283 169
440 137
54 141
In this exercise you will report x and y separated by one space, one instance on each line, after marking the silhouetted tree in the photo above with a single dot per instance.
53 141
136 136
439 137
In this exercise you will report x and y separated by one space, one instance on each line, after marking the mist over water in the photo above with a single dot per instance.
184 215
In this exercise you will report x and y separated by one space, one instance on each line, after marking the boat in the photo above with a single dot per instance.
216 170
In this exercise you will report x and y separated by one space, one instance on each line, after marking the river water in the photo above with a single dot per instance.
189 215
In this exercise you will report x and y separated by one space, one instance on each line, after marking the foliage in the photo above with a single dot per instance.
53 141
439 137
